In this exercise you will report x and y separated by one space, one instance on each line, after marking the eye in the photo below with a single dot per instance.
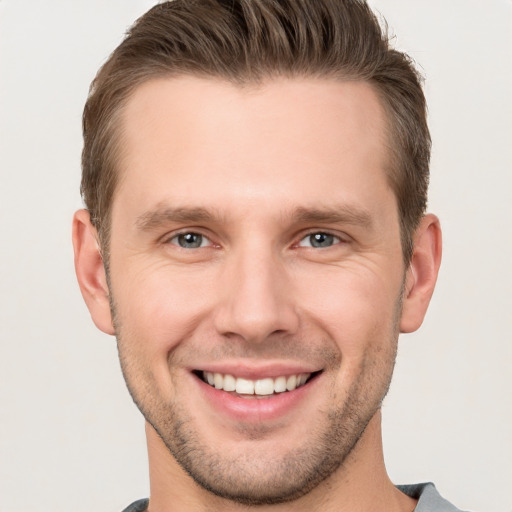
319 240
190 240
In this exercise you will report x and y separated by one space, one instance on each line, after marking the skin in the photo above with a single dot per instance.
256 172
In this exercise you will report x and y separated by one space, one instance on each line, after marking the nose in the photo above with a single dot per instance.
255 298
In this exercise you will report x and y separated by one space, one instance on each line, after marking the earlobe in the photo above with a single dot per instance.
422 273
90 271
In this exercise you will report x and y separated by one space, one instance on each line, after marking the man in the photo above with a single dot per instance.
255 175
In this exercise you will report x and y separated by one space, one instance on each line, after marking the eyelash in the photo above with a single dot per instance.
185 233
335 240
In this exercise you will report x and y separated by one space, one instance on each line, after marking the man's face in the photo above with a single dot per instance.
255 243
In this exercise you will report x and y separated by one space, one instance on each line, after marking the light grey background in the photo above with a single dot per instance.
70 438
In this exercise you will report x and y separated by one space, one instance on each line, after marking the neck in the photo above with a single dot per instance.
359 485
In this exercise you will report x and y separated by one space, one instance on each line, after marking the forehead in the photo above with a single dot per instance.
210 142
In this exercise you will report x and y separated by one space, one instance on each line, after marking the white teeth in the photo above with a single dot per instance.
244 386
291 382
280 384
218 380
264 387
261 387
229 383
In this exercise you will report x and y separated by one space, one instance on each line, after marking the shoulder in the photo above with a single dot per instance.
429 499
137 506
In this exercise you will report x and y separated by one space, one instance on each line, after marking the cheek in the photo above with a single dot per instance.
155 310
159 305
356 307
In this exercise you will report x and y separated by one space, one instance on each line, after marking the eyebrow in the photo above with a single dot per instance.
162 215
341 214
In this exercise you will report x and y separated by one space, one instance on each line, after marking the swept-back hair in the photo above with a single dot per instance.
248 41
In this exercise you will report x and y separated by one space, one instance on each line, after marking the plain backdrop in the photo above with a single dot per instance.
70 438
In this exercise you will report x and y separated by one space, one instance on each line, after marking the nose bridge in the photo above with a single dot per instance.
255 298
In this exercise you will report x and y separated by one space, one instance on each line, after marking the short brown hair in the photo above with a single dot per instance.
247 41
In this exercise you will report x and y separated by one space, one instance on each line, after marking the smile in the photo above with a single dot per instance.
252 395
260 387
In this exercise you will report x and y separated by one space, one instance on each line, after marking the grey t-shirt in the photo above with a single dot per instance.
429 500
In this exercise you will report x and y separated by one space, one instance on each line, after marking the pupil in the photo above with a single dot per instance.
321 240
190 240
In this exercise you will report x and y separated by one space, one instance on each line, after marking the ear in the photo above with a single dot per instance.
90 271
422 273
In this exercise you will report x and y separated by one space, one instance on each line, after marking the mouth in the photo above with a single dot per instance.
257 388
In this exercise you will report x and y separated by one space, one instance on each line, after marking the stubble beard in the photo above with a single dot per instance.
261 479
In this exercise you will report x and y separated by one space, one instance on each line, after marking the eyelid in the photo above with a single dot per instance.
169 237
341 238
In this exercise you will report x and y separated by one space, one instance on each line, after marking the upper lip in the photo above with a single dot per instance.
254 371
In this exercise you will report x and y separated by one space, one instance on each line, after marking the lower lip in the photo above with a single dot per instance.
255 410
